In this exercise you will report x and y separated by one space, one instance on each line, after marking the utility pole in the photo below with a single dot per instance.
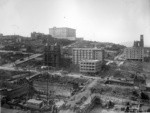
47 88
47 74
46 62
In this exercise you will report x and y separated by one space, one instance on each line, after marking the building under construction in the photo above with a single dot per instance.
52 55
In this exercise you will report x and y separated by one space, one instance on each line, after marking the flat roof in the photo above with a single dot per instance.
90 61
87 49
134 48
62 28
34 101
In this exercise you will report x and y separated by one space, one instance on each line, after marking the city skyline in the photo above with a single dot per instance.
114 21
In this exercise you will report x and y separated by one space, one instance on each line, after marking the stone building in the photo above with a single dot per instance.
63 33
80 54
136 52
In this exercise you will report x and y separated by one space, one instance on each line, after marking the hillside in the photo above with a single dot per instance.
92 44
36 44
127 44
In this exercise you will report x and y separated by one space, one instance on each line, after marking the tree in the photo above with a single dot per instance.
144 96
117 74
135 93
148 110
110 104
105 67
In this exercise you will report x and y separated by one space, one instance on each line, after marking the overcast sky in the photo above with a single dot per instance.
101 20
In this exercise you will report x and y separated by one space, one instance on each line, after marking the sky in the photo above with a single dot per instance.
114 21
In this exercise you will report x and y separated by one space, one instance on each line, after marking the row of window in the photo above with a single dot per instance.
87 69
84 55
82 50
85 63
87 66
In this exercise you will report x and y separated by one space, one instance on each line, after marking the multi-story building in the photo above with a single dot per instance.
147 51
136 52
90 66
52 55
35 35
87 54
63 33
147 54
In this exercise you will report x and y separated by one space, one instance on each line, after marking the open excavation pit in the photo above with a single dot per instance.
58 87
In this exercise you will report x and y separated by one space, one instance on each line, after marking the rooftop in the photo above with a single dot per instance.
34 101
91 61
62 28
87 48
134 48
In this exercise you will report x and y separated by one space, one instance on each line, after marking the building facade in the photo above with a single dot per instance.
35 35
136 52
87 54
90 66
63 33
52 55
147 51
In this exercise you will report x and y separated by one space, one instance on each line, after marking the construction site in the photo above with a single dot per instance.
24 80
49 81
26 86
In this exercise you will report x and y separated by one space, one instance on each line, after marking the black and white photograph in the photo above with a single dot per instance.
74 56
